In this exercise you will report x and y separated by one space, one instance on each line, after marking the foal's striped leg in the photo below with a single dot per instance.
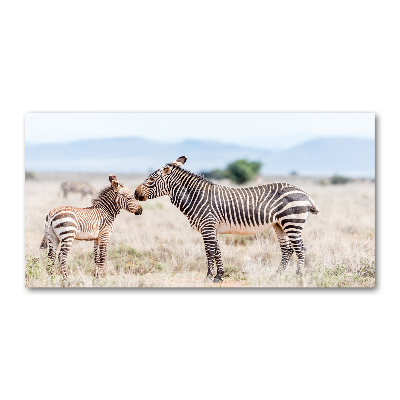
66 242
53 242
102 241
62 257
65 228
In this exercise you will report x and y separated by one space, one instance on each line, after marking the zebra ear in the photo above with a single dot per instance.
112 177
166 170
115 185
180 161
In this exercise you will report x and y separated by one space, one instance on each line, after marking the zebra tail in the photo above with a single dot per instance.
44 243
313 208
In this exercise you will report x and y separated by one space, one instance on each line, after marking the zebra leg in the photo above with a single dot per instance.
285 245
51 255
102 255
96 252
53 242
218 261
210 242
62 257
299 248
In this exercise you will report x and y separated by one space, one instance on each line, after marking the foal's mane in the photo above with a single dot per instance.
101 194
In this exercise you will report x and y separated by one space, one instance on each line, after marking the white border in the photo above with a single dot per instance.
212 56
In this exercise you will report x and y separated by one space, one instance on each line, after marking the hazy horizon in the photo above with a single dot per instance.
262 130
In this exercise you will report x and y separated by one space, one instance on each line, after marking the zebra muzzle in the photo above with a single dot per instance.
139 211
139 196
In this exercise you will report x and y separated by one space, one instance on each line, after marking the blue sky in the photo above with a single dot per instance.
265 130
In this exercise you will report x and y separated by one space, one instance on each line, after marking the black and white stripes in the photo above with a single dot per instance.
213 209
66 224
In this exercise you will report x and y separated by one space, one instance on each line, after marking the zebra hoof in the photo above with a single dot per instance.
279 271
218 279
208 279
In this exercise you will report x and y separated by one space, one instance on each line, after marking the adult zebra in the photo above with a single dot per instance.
213 209
84 188
66 224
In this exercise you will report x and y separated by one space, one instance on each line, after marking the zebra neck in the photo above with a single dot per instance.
105 201
110 208
186 189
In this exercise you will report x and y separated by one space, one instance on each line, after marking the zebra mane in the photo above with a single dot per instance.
192 174
101 194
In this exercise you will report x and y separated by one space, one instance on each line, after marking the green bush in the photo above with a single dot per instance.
242 171
338 180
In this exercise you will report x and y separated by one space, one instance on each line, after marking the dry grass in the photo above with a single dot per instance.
159 249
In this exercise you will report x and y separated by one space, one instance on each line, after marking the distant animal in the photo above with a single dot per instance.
213 209
84 188
66 224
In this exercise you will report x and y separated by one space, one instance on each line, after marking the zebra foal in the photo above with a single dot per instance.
213 209
66 224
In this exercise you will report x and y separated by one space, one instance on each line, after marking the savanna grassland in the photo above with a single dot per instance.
160 249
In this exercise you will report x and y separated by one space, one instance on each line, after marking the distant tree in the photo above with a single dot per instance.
29 175
338 180
242 171
294 173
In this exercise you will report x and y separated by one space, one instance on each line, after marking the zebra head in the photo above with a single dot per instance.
159 182
124 197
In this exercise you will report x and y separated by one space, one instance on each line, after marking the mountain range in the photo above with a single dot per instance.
318 157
